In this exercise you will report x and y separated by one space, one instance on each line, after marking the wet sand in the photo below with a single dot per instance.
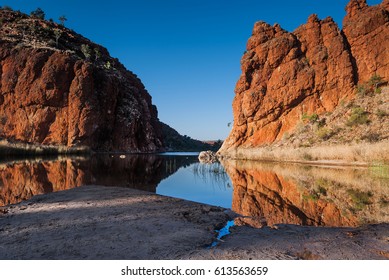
95 222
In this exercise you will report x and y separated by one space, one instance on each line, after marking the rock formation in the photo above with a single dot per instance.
58 88
309 71
207 157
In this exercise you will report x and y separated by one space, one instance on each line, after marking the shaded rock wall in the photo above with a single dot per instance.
59 94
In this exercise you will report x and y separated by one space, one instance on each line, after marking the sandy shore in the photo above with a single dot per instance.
95 222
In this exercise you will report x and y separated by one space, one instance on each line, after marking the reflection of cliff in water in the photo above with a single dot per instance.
305 195
22 179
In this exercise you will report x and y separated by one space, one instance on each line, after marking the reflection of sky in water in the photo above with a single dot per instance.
204 187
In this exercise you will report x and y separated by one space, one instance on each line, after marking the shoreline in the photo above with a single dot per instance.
332 155
96 222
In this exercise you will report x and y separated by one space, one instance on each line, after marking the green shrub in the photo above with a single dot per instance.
358 116
362 90
86 50
324 133
370 87
97 54
374 80
378 90
57 34
62 20
311 118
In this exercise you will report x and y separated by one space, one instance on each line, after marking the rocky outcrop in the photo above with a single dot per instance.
58 88
207 157
367 31
286 75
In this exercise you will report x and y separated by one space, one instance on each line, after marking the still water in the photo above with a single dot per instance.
263 193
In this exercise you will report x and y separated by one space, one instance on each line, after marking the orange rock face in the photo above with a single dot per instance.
57 94
311 70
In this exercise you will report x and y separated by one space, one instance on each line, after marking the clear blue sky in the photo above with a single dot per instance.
186 52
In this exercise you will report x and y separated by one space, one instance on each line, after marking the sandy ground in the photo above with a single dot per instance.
95 222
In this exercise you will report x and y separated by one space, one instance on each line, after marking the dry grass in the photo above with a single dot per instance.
365 153
24 149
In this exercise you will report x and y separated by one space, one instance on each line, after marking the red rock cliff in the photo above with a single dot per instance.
311 70
58 88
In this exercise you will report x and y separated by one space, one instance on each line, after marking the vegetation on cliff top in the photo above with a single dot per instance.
36 32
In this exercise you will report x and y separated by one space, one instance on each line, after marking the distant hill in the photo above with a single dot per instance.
173 141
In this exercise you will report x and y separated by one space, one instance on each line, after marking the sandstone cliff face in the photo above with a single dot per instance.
58 88
311 70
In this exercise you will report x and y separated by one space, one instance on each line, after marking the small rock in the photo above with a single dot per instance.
208 157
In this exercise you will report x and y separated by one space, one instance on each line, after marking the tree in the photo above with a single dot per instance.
7 8
38 13
62 20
